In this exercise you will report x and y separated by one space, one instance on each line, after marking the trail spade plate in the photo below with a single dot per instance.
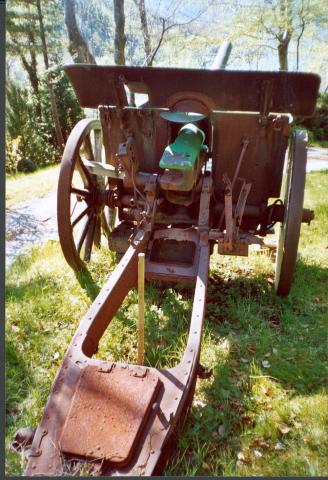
109 408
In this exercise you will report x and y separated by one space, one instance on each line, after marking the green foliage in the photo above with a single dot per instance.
318 124
27 134
29 137
69 111
13 156
25 165
18 109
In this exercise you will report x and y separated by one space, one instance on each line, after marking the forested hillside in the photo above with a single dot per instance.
44 35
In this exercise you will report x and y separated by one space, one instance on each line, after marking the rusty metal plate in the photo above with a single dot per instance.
238 249
109 408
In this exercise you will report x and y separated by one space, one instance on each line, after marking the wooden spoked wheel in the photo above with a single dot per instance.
290 227
82 214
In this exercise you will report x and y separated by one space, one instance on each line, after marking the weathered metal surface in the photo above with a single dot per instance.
149 130
262 162
290 226
173 270
295 93
46 457
121 417
110 406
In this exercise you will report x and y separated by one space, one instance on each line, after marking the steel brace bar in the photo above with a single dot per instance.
167 403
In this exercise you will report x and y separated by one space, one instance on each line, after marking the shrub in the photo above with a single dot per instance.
69 111
318 124
31 134
13 156
25 165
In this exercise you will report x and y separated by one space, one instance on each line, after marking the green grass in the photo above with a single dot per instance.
319 143
22 186
263 411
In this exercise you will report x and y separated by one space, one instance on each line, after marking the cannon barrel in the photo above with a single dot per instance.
222 57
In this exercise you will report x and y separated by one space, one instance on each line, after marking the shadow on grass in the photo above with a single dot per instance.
88 284
283 339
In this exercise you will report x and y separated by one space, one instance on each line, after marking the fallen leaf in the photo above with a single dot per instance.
267 354
260 442
251 348
266 364
56 356
283 429
205 466
279 446
247 420
15 328
234 362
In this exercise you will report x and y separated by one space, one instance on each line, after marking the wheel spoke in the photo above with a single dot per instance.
98 145
84 232
74 207
80 216
90 239
81 192
84 172
88 147
97 236
104 224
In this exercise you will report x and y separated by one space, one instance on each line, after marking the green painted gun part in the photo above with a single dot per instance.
183 153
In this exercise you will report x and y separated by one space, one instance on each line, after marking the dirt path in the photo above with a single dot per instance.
30 223
34 221
317 159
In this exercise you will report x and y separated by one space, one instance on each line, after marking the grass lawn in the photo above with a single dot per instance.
264 409
22 187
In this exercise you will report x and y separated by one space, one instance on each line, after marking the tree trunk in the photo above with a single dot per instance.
78 47
32 74
31 70
119 39
285 32
145 32
59 134
283 55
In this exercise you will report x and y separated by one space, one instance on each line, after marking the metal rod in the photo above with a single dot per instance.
242 153
141 303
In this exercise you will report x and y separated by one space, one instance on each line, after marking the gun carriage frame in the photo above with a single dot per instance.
121 417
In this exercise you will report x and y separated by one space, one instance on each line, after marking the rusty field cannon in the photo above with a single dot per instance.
200 163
